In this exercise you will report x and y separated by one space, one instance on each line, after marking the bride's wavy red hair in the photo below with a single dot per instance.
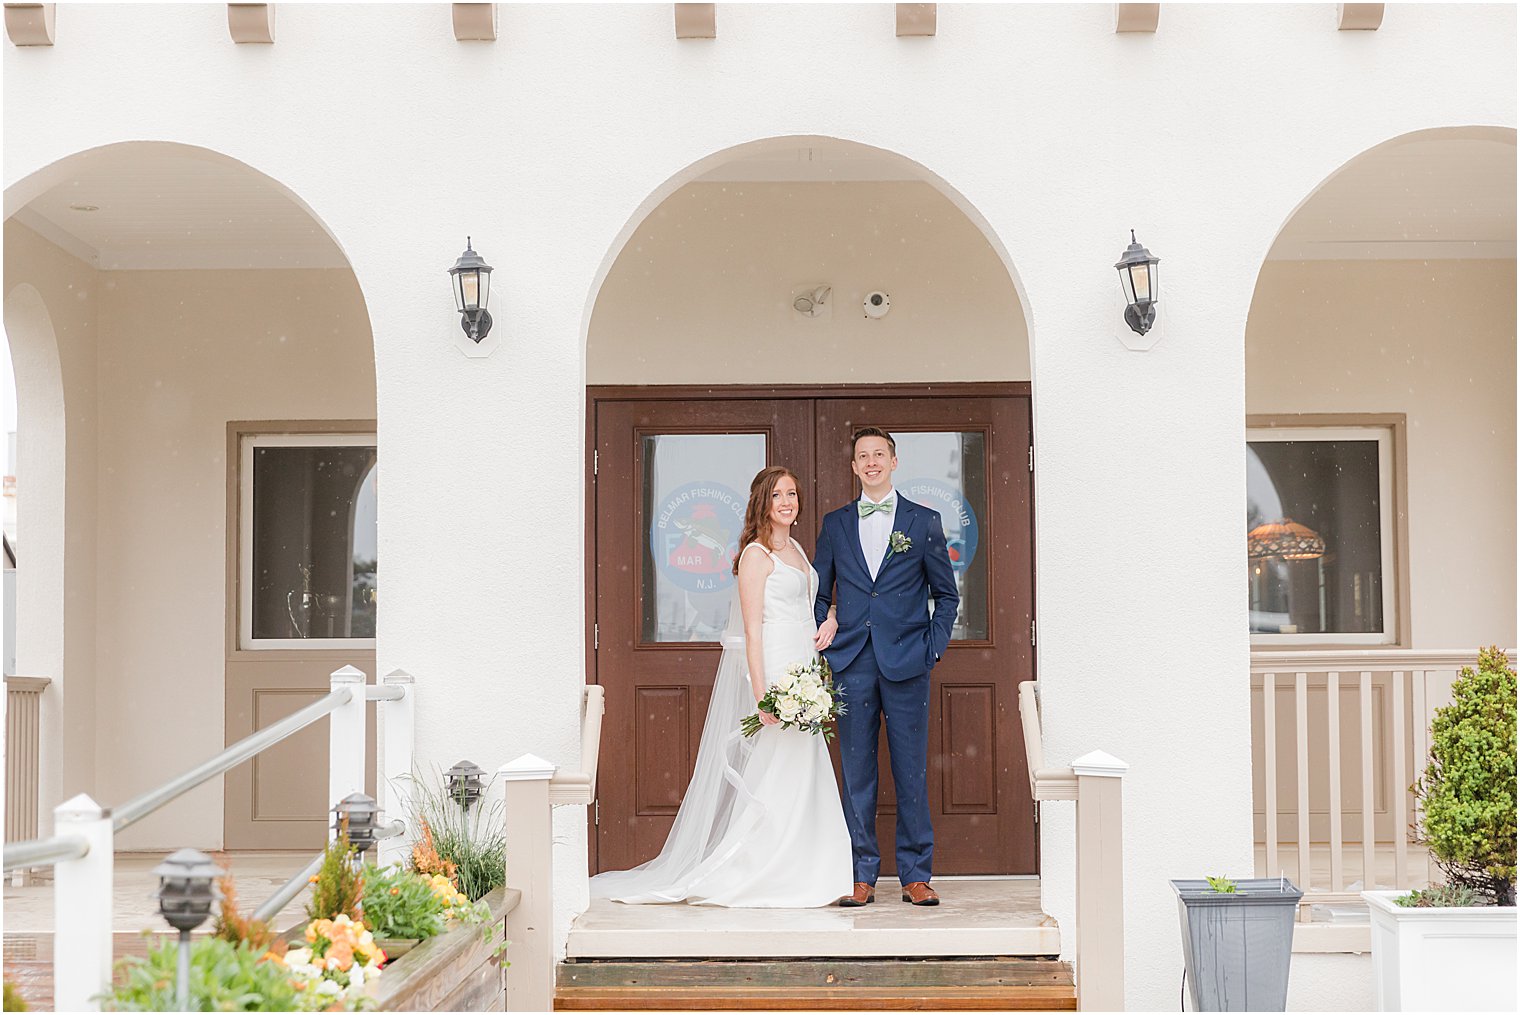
757 520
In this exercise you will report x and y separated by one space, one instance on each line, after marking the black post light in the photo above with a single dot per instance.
186 892
359 815
472 291
465 785
1137 273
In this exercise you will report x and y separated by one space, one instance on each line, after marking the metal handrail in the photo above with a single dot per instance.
383 692
136 809
45 852
302 878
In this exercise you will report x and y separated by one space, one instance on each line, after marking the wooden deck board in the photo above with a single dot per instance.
1047 998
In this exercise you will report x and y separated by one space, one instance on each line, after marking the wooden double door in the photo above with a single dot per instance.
671 471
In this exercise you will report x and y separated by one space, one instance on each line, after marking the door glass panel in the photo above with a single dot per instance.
948 472
694 488
313 559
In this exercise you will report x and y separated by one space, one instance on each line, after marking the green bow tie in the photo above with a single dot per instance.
867 508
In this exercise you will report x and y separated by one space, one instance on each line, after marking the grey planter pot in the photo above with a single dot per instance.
1236 946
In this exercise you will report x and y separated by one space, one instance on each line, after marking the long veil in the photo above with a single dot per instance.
715 796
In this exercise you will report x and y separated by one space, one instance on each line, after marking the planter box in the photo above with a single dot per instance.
454 971
1236 946
1451 959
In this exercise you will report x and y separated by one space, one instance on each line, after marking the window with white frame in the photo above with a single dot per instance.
1320 534
308 541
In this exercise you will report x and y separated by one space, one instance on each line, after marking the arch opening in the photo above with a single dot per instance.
761 305
1380 366
190 293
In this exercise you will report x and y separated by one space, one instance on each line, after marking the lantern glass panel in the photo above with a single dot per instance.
484 283
1140 279
469 288
1155 281
1128 284
458 279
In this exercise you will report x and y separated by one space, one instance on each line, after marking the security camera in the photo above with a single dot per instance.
876 304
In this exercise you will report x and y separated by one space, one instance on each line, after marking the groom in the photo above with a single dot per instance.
886 557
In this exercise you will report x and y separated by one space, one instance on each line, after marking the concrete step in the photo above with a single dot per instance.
977 917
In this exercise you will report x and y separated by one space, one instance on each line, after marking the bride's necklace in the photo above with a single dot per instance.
781 545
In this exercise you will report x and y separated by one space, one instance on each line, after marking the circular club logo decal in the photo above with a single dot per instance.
695 535
954 512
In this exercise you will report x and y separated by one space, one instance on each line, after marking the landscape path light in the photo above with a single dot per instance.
186 894
464 782
359 816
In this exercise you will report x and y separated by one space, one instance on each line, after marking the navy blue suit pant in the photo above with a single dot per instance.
904 704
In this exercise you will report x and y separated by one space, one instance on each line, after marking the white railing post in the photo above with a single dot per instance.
345 739
530 869
82 908
1100 881
397 724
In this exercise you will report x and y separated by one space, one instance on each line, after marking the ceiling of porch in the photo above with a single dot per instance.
151 206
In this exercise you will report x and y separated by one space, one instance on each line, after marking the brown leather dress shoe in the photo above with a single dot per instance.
863 895
920 894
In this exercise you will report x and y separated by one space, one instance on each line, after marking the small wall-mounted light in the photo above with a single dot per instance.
1137 273
472 291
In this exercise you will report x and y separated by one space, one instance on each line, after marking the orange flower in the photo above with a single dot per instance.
395 891
340 955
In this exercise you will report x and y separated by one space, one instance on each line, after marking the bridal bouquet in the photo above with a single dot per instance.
802 699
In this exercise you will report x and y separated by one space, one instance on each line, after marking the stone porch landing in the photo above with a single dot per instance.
976 917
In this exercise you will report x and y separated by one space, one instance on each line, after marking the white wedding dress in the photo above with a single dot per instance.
761 825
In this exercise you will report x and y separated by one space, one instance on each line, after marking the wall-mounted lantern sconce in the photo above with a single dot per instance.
1137 273
472 290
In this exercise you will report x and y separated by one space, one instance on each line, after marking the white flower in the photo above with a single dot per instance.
788 710
330 987
787 681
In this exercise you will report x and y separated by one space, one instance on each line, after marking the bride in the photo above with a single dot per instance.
761 824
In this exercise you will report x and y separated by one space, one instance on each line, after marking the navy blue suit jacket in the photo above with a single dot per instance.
892 610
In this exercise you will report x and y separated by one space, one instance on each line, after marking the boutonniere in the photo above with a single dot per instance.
898 542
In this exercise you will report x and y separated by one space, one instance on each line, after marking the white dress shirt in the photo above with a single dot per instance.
875 530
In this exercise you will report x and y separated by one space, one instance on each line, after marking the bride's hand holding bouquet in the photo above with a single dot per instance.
802 699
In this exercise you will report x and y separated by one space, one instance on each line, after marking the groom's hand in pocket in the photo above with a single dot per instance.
825 636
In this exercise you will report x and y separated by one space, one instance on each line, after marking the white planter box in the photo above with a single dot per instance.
1442 959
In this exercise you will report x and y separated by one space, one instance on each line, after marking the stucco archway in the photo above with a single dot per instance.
188 290
798 180
694 314
1380 362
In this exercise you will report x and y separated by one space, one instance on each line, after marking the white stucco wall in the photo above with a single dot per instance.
702 292
1434 340
1058 133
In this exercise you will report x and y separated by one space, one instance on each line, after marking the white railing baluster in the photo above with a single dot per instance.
1397 785
1337 840
1269 773
1369 840
1421 729
345 739
397 725
1301 743
82 893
